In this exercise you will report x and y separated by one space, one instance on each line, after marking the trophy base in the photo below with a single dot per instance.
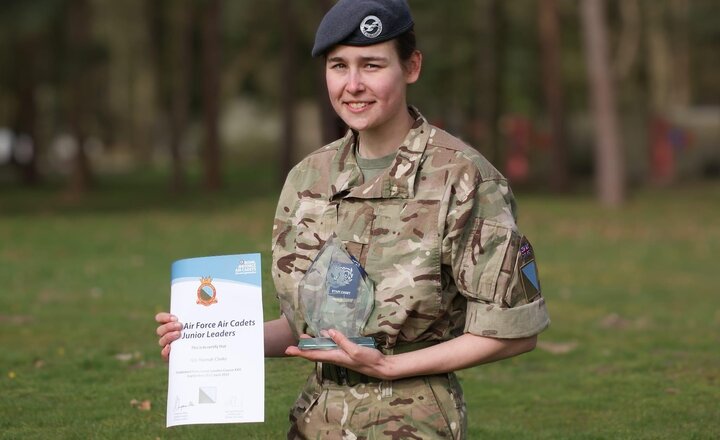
329 344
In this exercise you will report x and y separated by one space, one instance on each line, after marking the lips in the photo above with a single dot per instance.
357 106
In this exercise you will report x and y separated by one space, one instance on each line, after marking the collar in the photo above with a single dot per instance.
397 181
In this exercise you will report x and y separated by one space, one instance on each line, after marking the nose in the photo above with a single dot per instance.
355 82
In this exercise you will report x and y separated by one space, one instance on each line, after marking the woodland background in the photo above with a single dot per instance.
134 133
552 91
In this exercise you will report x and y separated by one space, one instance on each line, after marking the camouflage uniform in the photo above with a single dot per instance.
436 233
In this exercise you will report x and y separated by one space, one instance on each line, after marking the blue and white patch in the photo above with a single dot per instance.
529 271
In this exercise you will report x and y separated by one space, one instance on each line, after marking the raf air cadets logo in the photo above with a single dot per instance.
371 26
206 293
339 276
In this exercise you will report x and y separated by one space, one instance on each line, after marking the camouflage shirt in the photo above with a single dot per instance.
435 232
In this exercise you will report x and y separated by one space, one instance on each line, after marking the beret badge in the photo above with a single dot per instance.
371 26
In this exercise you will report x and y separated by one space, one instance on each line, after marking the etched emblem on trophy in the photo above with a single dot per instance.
335 293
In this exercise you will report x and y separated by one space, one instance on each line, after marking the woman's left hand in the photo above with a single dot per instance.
368 361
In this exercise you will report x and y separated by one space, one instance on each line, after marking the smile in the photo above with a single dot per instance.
358 105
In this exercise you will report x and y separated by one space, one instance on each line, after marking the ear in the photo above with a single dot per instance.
413 66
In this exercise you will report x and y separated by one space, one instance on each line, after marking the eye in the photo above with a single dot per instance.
371 66
337 66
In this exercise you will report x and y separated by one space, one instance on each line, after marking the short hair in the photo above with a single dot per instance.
406 44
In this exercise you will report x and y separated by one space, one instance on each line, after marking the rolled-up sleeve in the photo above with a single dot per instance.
495 268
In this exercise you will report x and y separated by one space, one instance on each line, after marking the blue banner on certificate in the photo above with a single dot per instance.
216 370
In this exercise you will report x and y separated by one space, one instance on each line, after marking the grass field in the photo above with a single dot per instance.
633 351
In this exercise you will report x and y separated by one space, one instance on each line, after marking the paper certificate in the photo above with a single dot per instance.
216 369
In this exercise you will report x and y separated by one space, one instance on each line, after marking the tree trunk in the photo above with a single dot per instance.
628 44
659 58
180 54
491 61
681 53
288 89
211 156
333 126
79 42
25 121
550 45
610 169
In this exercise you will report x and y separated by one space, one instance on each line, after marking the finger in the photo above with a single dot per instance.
305 336
164 317
312 355
343 342
168 338
168 327
333 356
165 353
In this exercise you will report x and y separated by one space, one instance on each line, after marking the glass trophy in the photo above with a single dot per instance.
335 293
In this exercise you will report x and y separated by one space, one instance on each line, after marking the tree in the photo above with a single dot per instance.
489 64
79 48
171 40
610 169
211 154
549 32
26 80
288 89
332 126
25 34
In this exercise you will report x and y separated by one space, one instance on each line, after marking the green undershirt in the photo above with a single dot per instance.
371 168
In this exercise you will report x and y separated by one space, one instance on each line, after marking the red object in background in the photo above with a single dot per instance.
666 143
662 157
519 133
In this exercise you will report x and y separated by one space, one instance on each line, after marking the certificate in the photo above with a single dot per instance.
216 369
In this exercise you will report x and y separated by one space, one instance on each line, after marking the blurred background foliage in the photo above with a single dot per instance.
90 88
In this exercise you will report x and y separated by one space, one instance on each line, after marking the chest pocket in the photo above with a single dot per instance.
354 227
405 253
296 244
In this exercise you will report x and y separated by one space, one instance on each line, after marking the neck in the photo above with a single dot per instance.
384 140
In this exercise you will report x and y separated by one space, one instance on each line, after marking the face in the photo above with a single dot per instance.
367 85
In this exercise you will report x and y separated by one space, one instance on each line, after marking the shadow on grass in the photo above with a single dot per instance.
141 190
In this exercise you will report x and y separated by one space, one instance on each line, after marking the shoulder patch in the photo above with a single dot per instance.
529 271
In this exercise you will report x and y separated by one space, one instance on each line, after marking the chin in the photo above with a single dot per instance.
355 124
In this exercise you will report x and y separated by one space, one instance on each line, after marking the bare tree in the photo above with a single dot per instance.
288 88
78 28
550 44
180 61
332 126
610 169
26 73
490 63
211 154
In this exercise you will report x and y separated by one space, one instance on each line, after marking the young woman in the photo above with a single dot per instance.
431 221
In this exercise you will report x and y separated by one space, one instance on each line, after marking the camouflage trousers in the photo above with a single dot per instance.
416 408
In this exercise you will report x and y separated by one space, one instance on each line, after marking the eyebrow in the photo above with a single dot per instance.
363 59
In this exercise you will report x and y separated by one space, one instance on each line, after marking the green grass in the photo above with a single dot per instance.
632 294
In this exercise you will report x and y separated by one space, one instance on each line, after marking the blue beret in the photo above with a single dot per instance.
362 23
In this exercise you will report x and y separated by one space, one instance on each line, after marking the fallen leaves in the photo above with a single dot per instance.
557 347
143 405
135 357
15 319
616 322
127 357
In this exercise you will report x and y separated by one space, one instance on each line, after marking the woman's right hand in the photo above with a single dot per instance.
168 331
